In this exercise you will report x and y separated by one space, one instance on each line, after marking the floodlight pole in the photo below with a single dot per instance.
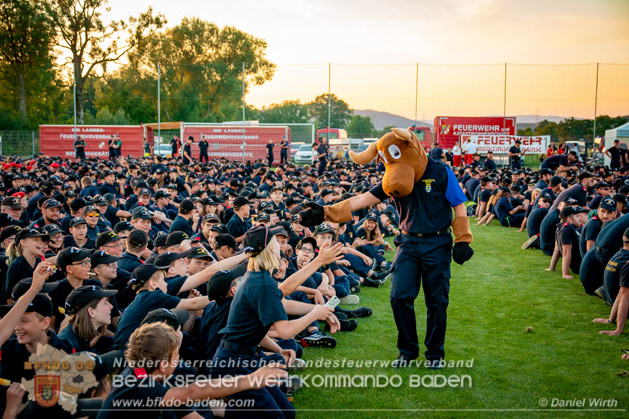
159 110
74 94
243 112
329 100
595 106
416 89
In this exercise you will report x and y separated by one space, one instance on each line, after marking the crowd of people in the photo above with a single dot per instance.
189 259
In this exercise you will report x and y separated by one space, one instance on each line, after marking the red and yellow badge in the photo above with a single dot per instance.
47 389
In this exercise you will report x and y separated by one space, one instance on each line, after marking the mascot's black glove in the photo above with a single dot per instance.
313 216
462 252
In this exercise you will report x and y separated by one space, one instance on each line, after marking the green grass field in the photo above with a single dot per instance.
529 332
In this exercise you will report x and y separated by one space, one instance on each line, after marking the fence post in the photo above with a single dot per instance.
33 139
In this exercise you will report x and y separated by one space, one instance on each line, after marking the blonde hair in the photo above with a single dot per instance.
13 252
151 344
266 260
370 234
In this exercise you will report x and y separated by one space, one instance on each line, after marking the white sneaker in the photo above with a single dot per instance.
350 299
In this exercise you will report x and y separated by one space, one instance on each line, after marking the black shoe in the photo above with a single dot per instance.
360 312
318 339
381 276
346 325
369 282
402 361
531 242
342 315
355 290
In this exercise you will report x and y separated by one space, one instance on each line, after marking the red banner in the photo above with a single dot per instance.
227 141
449 129
58 140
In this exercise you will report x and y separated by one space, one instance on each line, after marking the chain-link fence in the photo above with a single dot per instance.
20 143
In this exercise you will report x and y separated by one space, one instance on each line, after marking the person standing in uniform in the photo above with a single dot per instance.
203 144
175 145
187 151
514 156
425 246
118 145
456 155
110 145
614 154
283 151
79 148
322 156
269 152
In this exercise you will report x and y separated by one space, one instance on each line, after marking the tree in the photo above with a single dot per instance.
360 127
289 111
93 44
201 70
26 35
340 114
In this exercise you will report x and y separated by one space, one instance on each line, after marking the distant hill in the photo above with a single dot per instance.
384 119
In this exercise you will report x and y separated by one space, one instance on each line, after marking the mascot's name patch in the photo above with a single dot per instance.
428 183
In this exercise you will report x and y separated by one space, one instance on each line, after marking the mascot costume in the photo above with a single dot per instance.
424 192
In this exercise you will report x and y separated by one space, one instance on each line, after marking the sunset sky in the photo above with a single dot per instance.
373 46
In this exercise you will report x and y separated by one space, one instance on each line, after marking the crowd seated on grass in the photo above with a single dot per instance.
94 250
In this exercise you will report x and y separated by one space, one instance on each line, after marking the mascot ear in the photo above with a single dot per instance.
366 156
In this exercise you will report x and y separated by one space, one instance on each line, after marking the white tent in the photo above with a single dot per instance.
620 133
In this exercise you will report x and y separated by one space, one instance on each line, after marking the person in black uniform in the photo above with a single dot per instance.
203 145
606 212
112 149
79 148
321 155
425 247
269 152
239 223
613 153
284 151
567 241
514 156
187 151
175 146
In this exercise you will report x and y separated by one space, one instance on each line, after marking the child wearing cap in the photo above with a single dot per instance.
24 255
89 314
75 263
78 235
257 307
239 223
153 355
567 241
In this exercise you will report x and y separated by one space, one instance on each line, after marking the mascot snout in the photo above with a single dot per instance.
399 180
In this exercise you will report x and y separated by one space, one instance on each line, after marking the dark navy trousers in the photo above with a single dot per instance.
421 261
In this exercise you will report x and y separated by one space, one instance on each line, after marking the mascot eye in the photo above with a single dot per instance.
394 151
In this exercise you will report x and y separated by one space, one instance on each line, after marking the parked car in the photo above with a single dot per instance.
162 150
304 154
293 149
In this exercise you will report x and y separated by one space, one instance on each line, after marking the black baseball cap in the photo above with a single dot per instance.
175 238
41 304
138 238
199 252
568 211
69 255
12 202
51 203
52 229
168 257
322 229
240 201
186 206
143 273
11 230
258 238
106 237
160 240
545 171
82 296
608 203
27 233
263 216
24 284
226 240
211 218
161 194
145 192
100 257
546 197
571 201
373 216
76 221
122 226
173 318
221 281
219 228
141 212
6 220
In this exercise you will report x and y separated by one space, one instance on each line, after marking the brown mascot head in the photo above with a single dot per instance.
403 156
